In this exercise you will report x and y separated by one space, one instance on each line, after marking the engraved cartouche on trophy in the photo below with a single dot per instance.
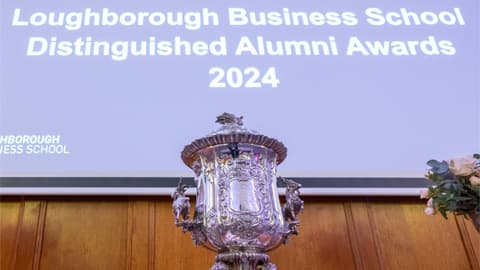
238 212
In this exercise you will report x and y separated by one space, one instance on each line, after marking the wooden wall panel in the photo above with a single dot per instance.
474 237
84 235
30 235
137 255
138 233
471 241
367 255
18 233
408 239
11 214
174 249
323 242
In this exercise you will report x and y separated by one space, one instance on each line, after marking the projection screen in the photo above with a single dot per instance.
354 89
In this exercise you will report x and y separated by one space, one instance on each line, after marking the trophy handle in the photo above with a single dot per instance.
181 214
292 207
181 205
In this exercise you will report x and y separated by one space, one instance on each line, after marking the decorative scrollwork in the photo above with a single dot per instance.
244 169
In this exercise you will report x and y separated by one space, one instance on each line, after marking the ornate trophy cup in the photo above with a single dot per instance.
237 212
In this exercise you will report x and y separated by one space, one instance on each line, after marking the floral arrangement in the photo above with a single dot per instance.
455 188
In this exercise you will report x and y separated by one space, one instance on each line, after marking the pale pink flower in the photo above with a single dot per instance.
462 166
474 180
429 211
430 203
424 194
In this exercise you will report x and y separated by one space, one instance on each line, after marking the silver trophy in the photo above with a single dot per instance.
238 212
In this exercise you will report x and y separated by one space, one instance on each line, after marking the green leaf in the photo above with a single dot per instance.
462 198
452 206
443 212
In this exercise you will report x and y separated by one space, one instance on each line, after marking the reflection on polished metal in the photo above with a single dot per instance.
237 212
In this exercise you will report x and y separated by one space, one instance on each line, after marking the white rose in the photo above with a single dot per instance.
462 166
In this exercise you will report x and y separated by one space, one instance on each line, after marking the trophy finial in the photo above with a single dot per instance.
228 118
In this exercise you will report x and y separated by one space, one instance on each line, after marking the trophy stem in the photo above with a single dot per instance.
242 261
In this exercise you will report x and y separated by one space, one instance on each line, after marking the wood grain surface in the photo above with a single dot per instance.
133 233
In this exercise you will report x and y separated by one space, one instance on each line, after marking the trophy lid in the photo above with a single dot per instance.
232 131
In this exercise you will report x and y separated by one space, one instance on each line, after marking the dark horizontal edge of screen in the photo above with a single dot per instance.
167 182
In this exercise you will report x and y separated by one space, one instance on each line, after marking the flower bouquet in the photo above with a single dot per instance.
455 188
